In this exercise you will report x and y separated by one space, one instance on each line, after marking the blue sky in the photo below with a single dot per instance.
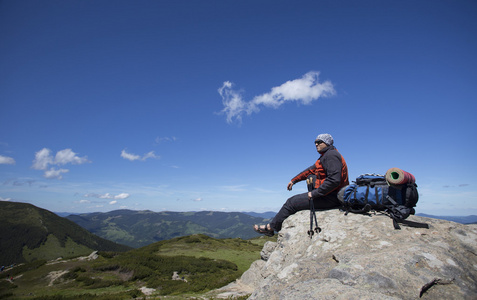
214 105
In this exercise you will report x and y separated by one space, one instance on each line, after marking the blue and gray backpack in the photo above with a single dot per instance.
371 192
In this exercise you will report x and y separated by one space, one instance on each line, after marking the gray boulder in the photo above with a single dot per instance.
364 257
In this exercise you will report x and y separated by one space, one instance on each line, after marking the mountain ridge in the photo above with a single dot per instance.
27 228
470 219
140 228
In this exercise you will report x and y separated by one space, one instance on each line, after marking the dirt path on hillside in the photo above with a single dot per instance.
52 276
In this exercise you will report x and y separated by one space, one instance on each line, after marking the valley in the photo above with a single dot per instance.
50 257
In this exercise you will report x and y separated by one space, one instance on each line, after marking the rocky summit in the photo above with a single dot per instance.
363 257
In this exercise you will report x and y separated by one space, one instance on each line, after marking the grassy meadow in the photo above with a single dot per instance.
202 264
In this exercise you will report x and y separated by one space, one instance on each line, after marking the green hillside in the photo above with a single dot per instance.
29 233
201 263
141 228
240 252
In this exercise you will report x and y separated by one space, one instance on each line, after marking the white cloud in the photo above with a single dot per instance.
84 201
5 160
234 106
133 157
5 199
43 159
108 196
67 156
129 156
198 200
113 202
302 90
53 173
122 196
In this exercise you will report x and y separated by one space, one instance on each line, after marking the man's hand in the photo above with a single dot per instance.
289 186
309 196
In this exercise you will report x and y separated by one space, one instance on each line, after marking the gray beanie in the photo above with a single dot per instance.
325 137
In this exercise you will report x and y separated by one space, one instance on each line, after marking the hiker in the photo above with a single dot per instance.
331 173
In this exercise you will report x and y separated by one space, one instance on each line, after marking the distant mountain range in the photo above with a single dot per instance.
141 228
458 219
265 215
30 233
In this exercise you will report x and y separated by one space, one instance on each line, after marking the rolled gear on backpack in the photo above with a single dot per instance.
396 176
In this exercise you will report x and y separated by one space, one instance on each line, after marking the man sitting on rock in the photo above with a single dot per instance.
331 175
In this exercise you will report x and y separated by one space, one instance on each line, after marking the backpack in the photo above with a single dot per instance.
372 192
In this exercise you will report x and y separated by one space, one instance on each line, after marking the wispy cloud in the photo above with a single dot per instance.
159 140
5 160
460 185
43 160
303 90
19 182
234 188
105 199
108 196
133 157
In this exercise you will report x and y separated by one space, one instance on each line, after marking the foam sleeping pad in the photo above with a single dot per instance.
396 176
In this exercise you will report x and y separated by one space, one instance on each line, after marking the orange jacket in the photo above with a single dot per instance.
331 173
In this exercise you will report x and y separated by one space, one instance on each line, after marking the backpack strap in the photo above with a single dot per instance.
391 200
399 213
414 224
396 222
365 210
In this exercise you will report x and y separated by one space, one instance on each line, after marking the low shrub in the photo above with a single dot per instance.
107 267
23 268
108 254
135 293
192 239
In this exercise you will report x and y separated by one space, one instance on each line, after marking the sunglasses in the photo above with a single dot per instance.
318 142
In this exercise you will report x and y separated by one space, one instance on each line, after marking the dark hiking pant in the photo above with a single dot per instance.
300 202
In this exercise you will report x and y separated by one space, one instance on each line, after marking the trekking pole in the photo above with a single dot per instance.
310 182
313 215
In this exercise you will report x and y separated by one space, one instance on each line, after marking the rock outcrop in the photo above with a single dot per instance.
364 257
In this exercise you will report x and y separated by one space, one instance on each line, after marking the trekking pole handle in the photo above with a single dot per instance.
310 182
